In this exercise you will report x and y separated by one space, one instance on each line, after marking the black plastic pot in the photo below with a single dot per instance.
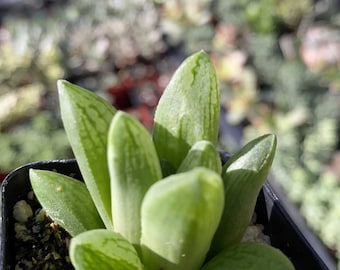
281 221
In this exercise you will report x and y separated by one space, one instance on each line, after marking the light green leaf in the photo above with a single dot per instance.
134 167
188 110
202 154
243 176
86 118
250 256
104 250
64 200
179 217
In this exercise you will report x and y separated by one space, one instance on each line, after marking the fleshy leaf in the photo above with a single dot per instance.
86 118
104 250
243 176
134 167
167 168
188 110
250 256
66 200
179 217
202 154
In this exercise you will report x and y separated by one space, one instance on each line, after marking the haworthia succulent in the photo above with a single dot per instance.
104 250
86 118
134 167
250 256
202 154
188 110
179 217
64 200
243 176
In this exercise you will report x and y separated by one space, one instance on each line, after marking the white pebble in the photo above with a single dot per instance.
22 211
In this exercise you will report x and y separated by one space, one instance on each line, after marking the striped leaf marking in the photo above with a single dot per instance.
202 154
243 176
250 256
134 167
104 250
66 200
188 110
86 118
179 217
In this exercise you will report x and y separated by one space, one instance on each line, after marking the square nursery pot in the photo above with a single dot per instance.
281 221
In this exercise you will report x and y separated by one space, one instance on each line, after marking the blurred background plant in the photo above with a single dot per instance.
96 46
278 64
29 67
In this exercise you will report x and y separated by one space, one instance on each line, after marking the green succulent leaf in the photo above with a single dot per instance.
250 256
243 176
167 168
188 110
86 118
202 154
180 215
134 167
64 200
104 250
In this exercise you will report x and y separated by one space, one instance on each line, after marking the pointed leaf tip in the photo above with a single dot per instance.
188 110
86 118
64 199
133 167
243 176
195 198
257 155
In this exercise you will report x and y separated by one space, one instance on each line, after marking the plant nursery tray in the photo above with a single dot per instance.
281 221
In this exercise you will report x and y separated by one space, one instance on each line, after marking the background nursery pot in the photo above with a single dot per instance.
288 233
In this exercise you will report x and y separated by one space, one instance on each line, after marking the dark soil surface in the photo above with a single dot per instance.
39 242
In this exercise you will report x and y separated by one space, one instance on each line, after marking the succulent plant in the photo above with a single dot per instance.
162 201
277 65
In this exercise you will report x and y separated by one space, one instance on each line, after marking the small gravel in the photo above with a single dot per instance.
39 243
